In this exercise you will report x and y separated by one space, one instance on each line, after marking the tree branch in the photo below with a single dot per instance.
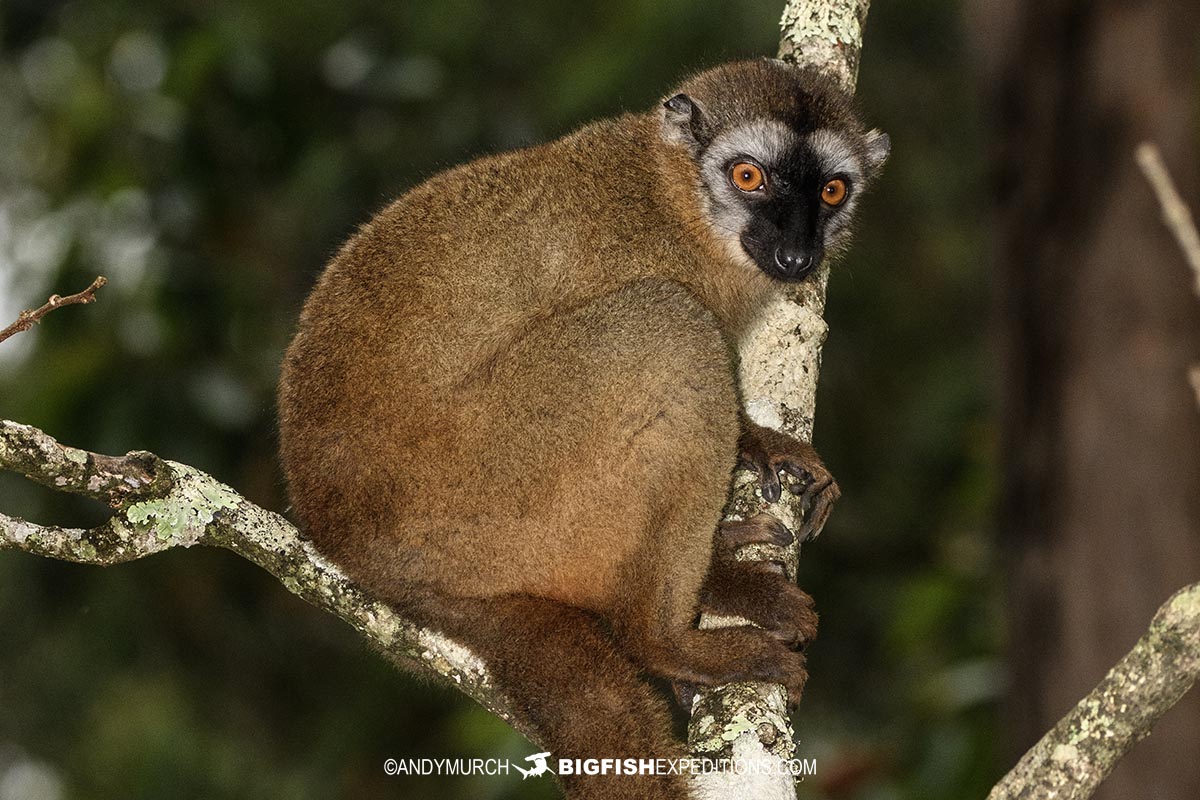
780 359
27 319
159 505
1071 761
826 35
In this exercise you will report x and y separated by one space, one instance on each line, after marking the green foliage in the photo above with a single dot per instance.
208 158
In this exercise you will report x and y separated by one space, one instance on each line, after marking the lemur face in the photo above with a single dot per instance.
779 185
788 197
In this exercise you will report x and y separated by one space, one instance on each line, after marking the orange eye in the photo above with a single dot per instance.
746 176
834 192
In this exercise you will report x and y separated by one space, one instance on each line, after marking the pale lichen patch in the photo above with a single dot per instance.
382 624
704 723
183 514
450 658
23 531
1065 753
737 726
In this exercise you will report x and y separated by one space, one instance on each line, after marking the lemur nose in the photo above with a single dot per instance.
794 262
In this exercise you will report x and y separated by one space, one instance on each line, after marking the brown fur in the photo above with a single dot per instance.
510 410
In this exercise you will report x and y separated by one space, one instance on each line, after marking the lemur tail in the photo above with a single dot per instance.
565 679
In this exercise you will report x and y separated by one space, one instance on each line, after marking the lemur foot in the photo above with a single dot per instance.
759 593
792 675
760 529
771 453
788 668
717 656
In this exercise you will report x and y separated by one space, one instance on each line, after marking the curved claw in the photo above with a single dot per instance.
802 479
820 500
768 477
768 482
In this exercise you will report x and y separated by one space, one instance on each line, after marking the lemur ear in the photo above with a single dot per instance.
680 104
684 121
879 144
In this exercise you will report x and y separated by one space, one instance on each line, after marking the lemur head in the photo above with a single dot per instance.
781 157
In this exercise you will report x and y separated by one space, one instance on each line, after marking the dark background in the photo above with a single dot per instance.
209 156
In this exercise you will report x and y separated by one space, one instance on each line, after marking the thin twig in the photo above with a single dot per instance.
1176 213
27 319
1178 217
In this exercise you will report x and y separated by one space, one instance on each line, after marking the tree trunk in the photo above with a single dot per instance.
1100 514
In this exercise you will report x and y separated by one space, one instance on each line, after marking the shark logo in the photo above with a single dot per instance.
540 767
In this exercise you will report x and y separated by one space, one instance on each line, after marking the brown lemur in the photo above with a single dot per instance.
511 407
